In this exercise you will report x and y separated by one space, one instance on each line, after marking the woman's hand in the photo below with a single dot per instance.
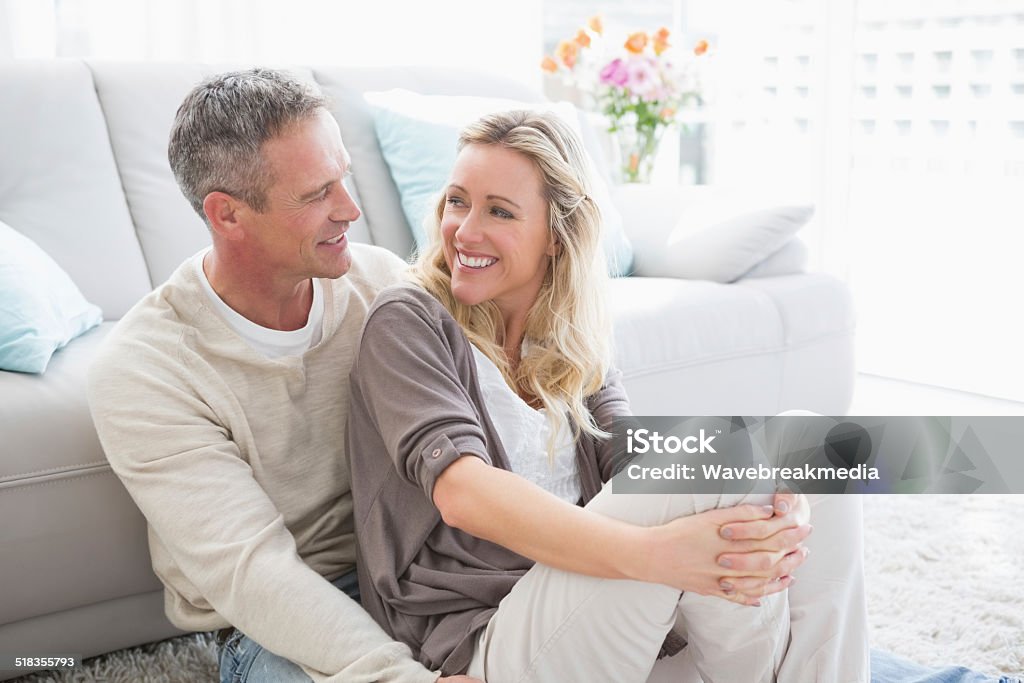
696 554
764 543
684 553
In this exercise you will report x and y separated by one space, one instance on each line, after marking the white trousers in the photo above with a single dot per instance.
565 627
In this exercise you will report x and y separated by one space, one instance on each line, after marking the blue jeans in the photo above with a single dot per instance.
243 660
888 668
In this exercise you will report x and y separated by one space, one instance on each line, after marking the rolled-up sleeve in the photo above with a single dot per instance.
609 405
407 381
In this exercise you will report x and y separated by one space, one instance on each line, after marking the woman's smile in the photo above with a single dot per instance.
475 261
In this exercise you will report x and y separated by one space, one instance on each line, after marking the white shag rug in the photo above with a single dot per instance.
945 585
945 579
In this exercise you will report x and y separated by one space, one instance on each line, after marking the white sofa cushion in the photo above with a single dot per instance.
59 184
139 102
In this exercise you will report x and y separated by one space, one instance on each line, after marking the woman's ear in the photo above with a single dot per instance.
554 248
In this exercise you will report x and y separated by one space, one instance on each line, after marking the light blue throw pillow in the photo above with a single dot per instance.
41 309
417 136
420 155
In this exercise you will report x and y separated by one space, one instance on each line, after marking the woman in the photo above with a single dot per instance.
481 396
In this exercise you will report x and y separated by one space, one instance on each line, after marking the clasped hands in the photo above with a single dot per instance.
740 554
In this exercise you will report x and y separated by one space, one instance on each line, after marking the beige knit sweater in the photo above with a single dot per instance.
237 461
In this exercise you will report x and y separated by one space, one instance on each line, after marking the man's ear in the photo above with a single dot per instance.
224 214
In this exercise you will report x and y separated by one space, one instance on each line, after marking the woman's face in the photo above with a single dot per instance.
495 229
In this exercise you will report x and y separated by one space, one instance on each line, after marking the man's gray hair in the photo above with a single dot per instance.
221 126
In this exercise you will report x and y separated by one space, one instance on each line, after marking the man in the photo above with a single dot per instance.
221 398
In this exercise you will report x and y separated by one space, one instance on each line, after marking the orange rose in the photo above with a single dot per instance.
596 24
667 113
700 48
568 51
582 39
549 65
636 42
661 41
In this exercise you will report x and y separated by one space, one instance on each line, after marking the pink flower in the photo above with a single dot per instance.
643 79
656 94
614 73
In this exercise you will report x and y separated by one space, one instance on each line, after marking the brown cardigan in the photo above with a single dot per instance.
415 408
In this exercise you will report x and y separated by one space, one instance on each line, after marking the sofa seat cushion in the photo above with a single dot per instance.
663 324
45 421
79 539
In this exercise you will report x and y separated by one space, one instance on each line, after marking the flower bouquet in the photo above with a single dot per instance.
639 85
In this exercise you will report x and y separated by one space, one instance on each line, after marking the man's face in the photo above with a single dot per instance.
301 232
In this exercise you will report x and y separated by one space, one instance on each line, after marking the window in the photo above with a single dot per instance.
982 59
933 210
943 60
981 90
904 118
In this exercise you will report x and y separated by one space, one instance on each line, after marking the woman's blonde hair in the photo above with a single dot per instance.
567 331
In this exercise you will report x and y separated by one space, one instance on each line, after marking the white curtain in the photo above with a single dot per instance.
453 33
27 29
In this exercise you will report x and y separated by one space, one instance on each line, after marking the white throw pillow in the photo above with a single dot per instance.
418 133
790 259
720 234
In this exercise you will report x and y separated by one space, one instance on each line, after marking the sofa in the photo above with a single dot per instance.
84 174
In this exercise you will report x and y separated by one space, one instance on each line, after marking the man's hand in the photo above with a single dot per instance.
458 679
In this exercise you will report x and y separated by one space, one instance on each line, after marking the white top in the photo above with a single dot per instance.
271 343
524 433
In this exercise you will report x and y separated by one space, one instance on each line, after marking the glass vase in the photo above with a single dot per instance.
636 150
